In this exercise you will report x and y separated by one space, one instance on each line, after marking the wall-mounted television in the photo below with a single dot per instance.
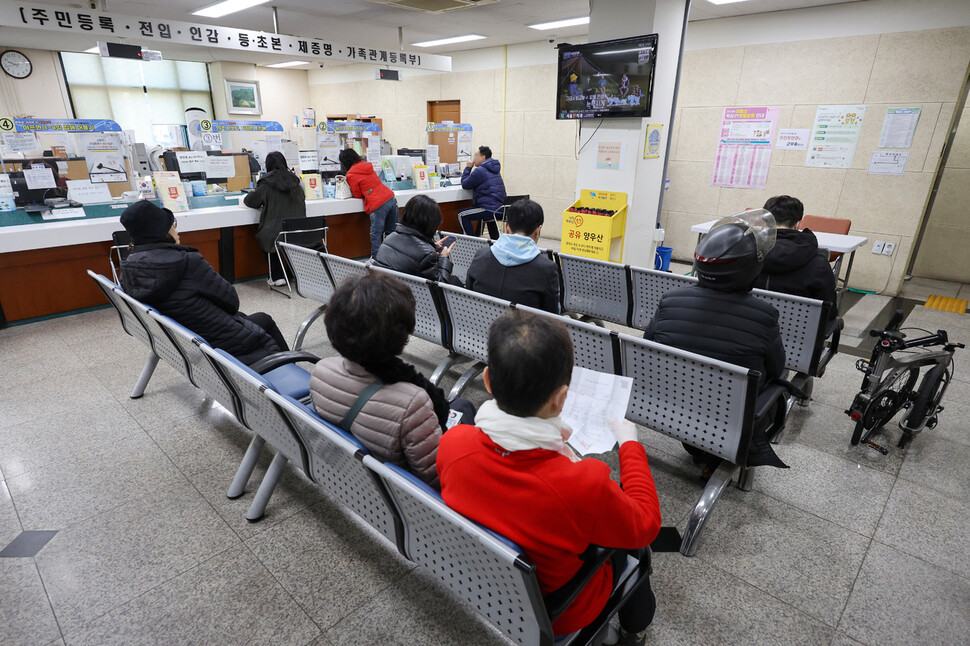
613 78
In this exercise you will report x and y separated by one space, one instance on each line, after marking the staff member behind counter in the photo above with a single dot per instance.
379 201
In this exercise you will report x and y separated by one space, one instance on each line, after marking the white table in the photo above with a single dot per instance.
834 242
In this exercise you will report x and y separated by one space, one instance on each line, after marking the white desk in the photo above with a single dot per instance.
834 242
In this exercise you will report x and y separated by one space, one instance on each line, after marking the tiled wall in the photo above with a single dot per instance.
539 152
943 253
920 68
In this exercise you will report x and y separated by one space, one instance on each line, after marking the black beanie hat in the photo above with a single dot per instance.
146 222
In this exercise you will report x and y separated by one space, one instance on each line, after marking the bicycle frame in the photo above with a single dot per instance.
874 383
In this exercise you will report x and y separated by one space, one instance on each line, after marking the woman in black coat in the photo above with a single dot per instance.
411 249
178 282
278 196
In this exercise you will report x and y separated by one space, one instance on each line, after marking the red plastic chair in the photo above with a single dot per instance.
826 225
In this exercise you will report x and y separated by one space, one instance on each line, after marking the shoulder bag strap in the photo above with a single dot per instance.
358 405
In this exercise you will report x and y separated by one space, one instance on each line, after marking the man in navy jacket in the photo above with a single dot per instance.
481 176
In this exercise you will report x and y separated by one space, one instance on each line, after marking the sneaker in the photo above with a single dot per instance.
279 282
630 639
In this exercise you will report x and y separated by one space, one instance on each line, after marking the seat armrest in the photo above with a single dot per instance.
768 397
558 601
277 359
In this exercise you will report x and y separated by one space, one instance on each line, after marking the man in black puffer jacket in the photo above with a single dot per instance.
178 282
795 265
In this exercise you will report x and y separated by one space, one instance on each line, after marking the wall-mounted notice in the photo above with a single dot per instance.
835 136
18 142
898 127
792 139
328 151
744 147
220 167
887 162
106 162
433 157
374 152
609 155
651 144
464 152
191 161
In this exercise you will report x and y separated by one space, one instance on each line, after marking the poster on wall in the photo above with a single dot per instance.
887 162
464 152
105 160
328 151
792 139
609 155
651 144
835 136
744 147
898 127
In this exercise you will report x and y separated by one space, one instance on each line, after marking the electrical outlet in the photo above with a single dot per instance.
877 246
888 248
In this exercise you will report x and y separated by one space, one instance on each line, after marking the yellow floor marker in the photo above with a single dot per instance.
946 304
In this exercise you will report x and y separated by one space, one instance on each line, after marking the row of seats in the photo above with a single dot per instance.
480 567
700 401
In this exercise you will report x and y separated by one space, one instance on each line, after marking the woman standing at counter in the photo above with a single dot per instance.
379 201
278 196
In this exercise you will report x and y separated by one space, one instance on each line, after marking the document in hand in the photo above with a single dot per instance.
593 398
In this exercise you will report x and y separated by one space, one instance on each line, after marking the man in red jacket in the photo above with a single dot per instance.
514 473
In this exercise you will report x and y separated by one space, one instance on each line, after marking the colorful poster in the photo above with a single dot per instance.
608 155
792 139
835 136
312 186
898 127
651 145
172 191
744 148
106 162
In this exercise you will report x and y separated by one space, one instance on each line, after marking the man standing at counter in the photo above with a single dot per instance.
481 176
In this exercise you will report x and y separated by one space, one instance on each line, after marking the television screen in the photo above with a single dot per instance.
612 78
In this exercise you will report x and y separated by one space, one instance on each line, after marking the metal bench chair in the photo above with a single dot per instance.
312 281
594 347
595 290
470 315
118 252
487 572
266 421
466 247
335 464
342 268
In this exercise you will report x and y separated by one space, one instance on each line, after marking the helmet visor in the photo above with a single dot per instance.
759 224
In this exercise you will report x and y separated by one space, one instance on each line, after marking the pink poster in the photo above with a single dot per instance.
744 147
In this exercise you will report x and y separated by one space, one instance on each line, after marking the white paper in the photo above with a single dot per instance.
884 162
20 142
835 136
898 127
86 192
212 138
328 151
62 167
433 158
308 160
792 139
274 143
5 187
464 146
220 166
744 147
191 161
106 162
39 177
64 214
374 152
593 398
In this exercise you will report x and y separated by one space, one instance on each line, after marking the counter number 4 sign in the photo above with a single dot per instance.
6 124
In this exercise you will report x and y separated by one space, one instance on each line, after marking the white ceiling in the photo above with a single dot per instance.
373 24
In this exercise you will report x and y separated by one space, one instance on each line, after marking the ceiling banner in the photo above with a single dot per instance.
155 32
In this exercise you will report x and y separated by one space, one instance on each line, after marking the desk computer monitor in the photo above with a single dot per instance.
413 152
24 196
172 163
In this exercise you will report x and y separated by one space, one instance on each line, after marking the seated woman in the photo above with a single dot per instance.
401 418
411 249
178 282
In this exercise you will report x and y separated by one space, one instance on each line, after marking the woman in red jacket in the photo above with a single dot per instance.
379 200
514 473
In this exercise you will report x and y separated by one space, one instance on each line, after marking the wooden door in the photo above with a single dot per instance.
447 142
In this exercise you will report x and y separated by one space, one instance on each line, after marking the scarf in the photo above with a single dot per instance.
524 433
394 370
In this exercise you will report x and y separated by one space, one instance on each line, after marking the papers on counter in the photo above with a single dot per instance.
593 398
85 192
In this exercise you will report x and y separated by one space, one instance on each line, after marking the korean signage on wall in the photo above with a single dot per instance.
348 126
152 32
8 124
209 125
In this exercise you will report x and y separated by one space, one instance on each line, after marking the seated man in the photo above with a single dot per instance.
795 265
719 317
514 473
514 268
482 177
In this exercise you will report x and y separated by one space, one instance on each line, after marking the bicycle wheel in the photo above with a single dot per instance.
928 397
884 406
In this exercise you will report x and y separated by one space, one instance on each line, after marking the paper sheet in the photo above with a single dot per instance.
792 139
220 166
105 160
85 192
744 147
593 398
191 161
898 127
884 162
39 177
835 136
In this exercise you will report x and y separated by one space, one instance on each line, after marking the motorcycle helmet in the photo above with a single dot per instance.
729 256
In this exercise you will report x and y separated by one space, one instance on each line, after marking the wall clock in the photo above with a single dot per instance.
15 64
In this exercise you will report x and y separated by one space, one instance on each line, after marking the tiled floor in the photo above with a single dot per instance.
845 547
919 289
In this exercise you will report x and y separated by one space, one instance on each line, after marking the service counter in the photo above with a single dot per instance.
43 263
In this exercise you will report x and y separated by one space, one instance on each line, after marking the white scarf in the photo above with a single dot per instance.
524 433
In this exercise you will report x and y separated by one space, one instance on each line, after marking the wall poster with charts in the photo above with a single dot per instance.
835 136
744 147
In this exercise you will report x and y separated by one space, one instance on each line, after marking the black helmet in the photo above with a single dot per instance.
729 257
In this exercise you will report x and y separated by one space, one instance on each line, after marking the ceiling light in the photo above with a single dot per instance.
226 7
555 24
289 64
93 50
448 41
725 1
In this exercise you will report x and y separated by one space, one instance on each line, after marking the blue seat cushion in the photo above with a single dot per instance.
290 380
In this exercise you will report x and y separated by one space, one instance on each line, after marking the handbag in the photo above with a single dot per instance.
342 192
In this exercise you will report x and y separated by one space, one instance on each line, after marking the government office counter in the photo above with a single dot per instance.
43 263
